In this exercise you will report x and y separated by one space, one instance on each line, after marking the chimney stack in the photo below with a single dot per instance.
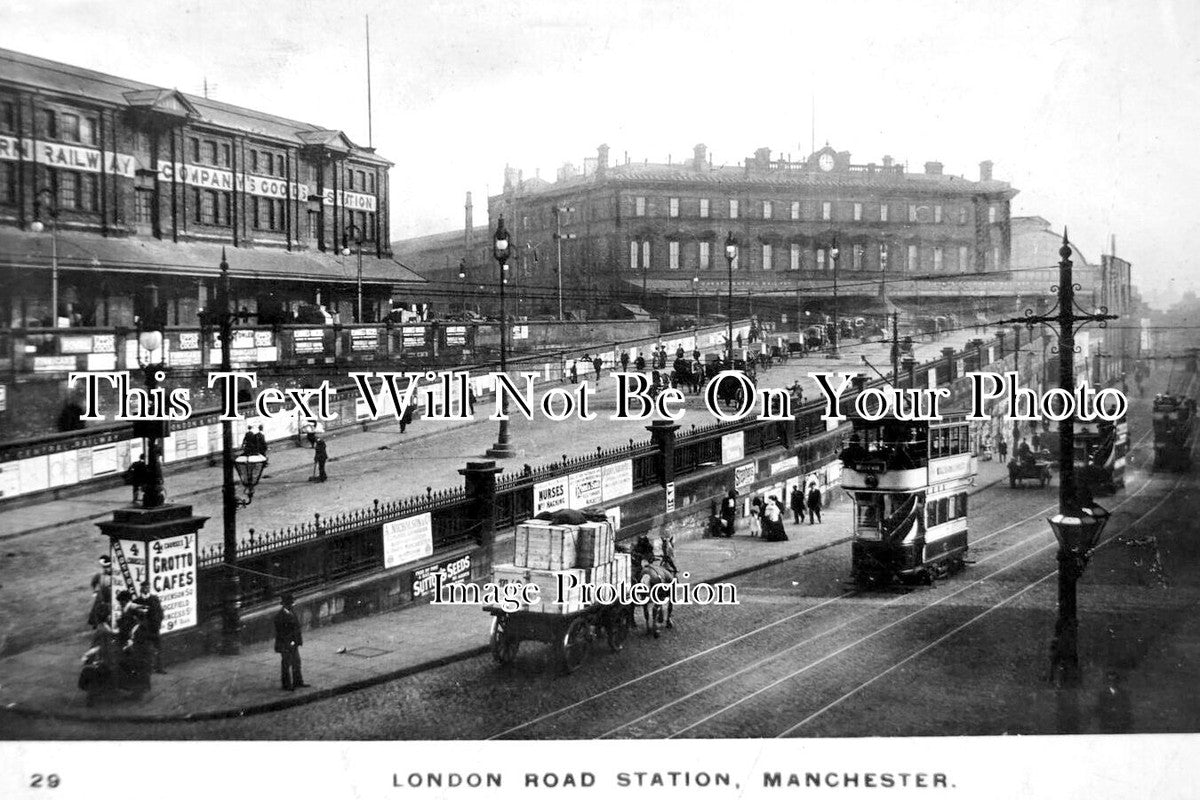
887 162
985 170
601 160
762 157
933 168
700 156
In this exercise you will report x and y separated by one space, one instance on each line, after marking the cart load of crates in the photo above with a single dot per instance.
553 556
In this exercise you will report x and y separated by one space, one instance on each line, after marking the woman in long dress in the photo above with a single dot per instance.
773 522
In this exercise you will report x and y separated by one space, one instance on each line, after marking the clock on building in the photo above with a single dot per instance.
825 162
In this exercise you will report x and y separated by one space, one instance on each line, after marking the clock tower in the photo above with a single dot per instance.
826 160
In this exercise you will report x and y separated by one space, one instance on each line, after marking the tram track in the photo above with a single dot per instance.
756 695
643 690
639 692
836 602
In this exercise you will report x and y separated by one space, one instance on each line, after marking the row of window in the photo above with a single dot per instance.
873 212
939 512
54 124
262 162
699 255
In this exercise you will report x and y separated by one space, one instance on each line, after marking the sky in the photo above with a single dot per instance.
1090 108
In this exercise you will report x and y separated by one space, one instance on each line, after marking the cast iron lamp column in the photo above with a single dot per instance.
150 338
248 468
1080 521
462 284
356 233
37 227
501 250
731 252
837 330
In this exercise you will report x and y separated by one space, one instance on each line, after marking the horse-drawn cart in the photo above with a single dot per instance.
571 635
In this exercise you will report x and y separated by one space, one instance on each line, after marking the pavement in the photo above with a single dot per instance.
337 659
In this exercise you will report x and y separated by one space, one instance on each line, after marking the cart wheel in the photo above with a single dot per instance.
617 630
575 645
504 644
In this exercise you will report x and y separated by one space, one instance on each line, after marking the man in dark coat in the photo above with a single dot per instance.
137 475
729 512
320 456
260 441
154 621
250 443
814 505
598 364
796 501
288 639
624 361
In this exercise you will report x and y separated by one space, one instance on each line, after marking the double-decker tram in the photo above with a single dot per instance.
909 483
1101 448
1173 421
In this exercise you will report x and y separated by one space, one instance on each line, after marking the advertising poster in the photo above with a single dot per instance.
550 495
172 571
407 540
585 488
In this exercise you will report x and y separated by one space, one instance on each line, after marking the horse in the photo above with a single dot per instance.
651 569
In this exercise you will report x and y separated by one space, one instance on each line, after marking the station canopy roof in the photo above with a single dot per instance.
147 256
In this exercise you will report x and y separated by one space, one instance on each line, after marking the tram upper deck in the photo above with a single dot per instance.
891 454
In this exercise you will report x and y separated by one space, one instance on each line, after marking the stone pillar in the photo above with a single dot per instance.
1000 345
662 434
480 479
948 354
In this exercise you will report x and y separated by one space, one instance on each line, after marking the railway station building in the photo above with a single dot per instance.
110 186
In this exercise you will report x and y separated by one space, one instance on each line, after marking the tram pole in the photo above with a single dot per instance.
1079 521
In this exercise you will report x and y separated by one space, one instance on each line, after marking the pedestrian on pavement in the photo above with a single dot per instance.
739 340
1002 446
729 513
814 504
249 443
679 351
796 501
288 639
260 441
405 419
574 372
696 354
756 511
320 456
154 621
471 398
773 521
624 361
598 364
640 364
137 475
137 653
101 593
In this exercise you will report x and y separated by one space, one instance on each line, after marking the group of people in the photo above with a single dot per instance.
254 443
766 516
121 657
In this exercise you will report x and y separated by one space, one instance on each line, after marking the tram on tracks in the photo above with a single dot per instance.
1174 418
909 482
1101 450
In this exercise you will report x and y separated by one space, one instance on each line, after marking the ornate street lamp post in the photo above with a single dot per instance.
501 250
150 326
731 252
248 468
837 330
462 283
696 293
38 226
356 233
1080 521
